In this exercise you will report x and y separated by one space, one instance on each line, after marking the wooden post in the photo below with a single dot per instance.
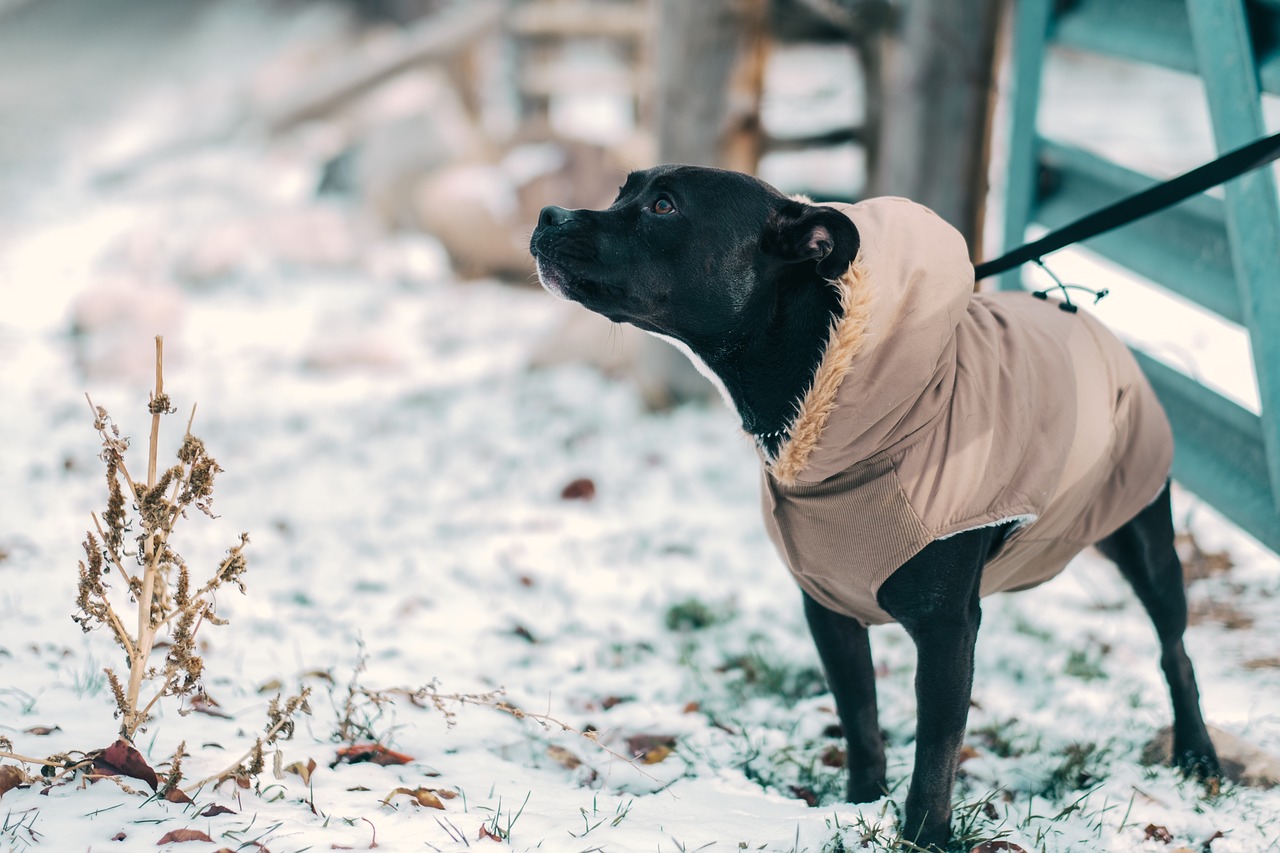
938 96
709 63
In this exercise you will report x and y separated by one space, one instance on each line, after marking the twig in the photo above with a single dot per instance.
111 552
133 489
146 631
26 759
271 732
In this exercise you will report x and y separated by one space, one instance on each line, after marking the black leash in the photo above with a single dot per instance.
1228 166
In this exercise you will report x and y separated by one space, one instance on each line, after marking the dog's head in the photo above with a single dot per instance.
692 253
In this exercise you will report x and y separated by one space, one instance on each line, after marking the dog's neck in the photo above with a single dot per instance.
765 371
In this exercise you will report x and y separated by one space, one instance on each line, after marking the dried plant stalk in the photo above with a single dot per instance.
143 514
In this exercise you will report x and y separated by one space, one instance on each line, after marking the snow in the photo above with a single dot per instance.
399 471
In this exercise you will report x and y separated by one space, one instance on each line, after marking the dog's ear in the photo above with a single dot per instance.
806 233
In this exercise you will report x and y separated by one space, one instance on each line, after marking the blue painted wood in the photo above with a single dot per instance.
1218 450
1224 51
1183 249
1030 28
1225 255
1156 32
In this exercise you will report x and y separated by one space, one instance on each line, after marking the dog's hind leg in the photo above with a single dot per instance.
934 595
1143 550
845 650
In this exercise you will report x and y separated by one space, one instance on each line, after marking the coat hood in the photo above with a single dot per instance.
890 357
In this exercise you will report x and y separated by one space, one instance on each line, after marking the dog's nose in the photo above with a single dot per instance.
552 216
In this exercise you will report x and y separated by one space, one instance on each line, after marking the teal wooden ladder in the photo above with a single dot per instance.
1222 254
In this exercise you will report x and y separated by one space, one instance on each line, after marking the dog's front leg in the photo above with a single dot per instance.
845 650
934 595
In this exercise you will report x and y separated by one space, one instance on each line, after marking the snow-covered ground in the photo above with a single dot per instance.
400 474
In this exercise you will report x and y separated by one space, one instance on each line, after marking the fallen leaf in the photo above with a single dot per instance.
995 846
581 489
121 759
833 756
1207 845
303 770
321 674
802 793
422 796
11 777
657 755
692 708
204 703
272 686
42 730
657 746
564 757
119 836
611 701
177 836
1197 563
215 810
967 752
485 833
176 795
373 753
1158 833
1262 663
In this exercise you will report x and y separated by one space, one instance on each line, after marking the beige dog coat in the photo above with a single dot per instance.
936 410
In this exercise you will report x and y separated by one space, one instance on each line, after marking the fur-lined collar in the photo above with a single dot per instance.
844 342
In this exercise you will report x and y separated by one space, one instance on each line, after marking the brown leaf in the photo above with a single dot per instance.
303 770
564 757
214 810
581 489
176 795
1207 846
119 836
42 730
374 753
996 846
275 685
611 701
1262 663
642 746
11 777
485 833
204 704
1197 563
802 793
178 836
1159 833
832 756
422 796
691 708
967 752
121 759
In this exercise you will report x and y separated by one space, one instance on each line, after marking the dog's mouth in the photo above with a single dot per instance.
600 297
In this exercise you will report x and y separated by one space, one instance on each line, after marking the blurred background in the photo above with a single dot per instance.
325 207
155 150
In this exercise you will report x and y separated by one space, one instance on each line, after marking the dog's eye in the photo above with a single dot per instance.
662 206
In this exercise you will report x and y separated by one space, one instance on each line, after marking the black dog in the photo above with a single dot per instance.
736 273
